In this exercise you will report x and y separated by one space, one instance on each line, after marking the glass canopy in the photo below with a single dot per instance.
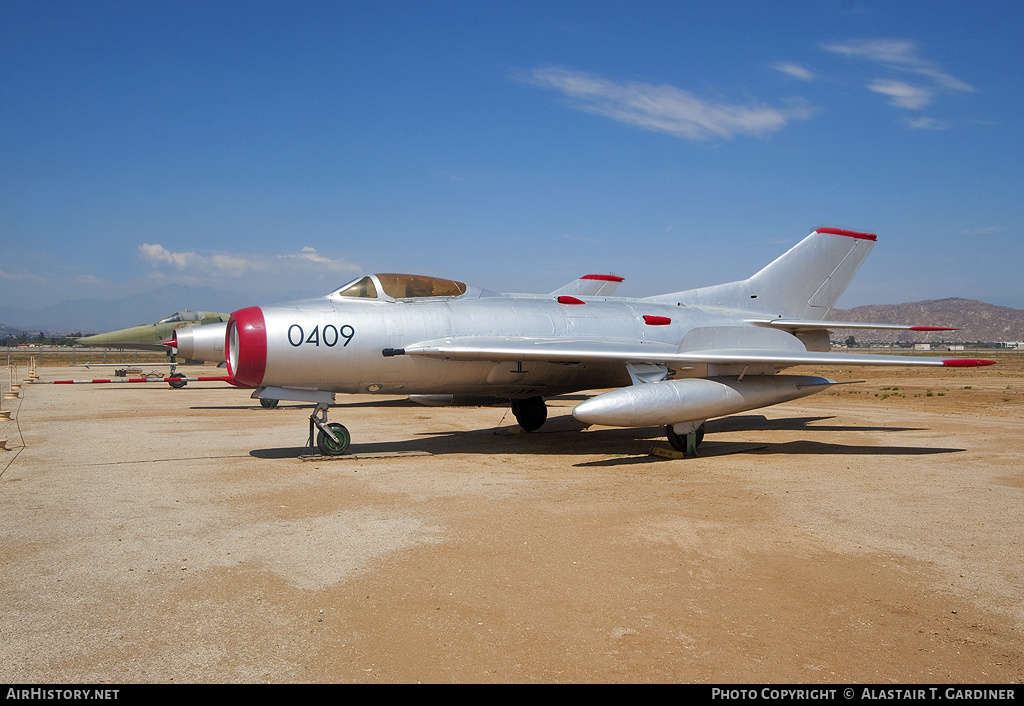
398 286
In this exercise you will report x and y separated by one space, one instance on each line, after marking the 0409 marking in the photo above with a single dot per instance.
330 335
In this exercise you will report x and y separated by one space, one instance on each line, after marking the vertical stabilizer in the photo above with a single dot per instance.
803 283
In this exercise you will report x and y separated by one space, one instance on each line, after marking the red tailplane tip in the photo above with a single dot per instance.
967 362
848 233
604 278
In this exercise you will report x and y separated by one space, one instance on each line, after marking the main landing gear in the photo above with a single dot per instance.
332 439
531 413
685 442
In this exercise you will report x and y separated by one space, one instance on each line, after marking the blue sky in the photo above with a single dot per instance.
279 149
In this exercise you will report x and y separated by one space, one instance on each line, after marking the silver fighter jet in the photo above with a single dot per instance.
673 360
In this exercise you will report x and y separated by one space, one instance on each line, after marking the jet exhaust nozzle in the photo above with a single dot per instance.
204 342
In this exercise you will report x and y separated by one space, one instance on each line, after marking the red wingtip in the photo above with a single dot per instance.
932 328
967 362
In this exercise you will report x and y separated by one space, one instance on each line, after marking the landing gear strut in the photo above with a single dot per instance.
173 378
531 413
332 439
688 442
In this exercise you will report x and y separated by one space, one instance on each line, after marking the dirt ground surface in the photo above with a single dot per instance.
871 533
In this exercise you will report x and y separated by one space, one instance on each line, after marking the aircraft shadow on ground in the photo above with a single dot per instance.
747 422
255 404
563 435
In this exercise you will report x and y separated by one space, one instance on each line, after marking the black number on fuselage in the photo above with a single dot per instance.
329 336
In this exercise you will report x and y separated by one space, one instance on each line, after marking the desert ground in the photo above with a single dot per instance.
870 534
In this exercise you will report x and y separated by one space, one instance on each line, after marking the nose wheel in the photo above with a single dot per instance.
332 439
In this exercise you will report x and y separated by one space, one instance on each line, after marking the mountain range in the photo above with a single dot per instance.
100 315
976 320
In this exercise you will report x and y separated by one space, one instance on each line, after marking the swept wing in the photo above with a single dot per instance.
721 345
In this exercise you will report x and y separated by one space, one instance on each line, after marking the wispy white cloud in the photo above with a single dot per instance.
920 81
156 255
22 277
235 265
91 280
795 70
663 108
898 54
923 123
925 80
903 95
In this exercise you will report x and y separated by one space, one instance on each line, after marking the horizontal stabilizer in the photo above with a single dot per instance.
813 325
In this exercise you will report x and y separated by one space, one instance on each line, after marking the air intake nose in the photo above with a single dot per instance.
246 347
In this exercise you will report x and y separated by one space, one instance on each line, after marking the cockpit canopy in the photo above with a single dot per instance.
398 286
185 316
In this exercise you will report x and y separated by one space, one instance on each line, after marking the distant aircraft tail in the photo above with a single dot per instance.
803 283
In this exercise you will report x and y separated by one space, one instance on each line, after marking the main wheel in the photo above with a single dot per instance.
176 382
330 447
678 441
531 413
268 403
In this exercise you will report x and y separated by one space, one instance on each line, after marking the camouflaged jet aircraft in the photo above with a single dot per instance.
673 360
153 336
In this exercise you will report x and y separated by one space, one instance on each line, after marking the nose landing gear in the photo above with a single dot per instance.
332 439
